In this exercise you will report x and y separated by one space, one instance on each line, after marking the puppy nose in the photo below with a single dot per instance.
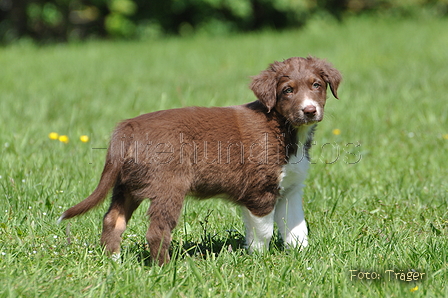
309 110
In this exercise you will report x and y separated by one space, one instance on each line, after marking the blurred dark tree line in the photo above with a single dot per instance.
63 20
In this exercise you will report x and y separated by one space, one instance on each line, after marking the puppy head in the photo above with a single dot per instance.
296 88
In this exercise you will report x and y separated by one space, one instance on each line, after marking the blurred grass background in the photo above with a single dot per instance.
75 20
386 212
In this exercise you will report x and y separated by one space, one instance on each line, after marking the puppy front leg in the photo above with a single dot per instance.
259 230
290 219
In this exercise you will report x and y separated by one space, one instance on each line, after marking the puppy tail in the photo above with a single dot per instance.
108 179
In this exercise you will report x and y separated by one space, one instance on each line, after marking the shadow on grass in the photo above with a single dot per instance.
234 242
231 242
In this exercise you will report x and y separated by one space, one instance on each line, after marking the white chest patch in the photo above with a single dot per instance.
294 173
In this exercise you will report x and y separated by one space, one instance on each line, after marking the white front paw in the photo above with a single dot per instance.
256 246
298 237
299 243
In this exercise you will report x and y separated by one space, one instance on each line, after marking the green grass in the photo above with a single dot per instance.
388 211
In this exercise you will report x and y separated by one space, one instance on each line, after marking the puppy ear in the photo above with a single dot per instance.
332 77
264 87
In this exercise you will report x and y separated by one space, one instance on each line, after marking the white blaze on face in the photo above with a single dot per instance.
310 102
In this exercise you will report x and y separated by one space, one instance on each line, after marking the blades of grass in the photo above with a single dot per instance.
195 270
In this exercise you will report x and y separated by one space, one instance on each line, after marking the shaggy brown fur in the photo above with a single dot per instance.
237 152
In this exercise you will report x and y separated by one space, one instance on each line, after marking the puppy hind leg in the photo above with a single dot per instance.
116 219
164 215
259 230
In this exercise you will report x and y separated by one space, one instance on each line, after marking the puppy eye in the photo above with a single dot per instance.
316 85
287 90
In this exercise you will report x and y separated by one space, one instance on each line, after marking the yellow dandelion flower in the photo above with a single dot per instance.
414 289
336 131
445 136
53 135
84 138
64 139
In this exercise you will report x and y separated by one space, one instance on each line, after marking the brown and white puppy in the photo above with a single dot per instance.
255 155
